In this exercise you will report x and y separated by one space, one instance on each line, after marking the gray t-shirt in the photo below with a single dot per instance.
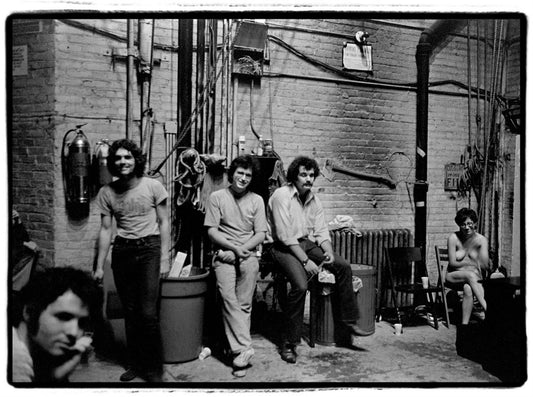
237 219
134 209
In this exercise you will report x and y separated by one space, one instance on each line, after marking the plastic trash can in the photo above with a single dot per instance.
182 316
366 296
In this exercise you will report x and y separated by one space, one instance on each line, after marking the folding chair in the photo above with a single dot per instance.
404 265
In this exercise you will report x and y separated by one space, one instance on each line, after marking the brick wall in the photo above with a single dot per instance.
359 125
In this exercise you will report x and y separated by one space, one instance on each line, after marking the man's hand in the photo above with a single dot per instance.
165 267
82 345
329 258
311 268
98 275
226 256
242 253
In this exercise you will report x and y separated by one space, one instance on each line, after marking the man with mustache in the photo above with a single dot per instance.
50 335
236 222
301 246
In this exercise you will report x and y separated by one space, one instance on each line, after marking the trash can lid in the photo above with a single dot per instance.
363 269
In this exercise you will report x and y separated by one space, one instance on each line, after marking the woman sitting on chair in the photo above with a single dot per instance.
468 259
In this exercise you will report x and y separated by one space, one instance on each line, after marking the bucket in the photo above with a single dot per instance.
366 296
181 316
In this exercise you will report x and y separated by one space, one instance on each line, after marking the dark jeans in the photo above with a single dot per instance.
293 306
136 269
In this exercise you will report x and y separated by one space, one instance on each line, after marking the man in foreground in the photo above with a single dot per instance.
51 334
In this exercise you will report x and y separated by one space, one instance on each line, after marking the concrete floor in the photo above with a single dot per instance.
418 357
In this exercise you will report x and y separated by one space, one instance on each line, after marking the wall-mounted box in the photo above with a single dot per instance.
357 57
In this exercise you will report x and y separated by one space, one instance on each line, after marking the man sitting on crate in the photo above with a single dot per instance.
301 246
236 222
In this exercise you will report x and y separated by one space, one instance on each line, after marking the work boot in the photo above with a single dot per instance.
288 354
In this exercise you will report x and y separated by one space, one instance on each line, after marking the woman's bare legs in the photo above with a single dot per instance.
468 304
470 279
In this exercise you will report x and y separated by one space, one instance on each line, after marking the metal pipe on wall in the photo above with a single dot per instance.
212 93
129 79
430 39
184 77
146 45
200 76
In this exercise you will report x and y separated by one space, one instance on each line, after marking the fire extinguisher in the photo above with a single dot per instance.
76 164
102 176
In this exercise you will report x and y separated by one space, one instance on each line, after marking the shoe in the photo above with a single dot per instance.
153 377
239 372
127 376
288 354
243 359
355 330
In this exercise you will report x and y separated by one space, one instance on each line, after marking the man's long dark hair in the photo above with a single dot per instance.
294 168
47 285
140 159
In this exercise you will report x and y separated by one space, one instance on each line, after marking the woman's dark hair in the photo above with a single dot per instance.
47 285
129 145
463 214
245 161
294 168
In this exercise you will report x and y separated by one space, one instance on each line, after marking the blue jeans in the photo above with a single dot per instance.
136 269
293 306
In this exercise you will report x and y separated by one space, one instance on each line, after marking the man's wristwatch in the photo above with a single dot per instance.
305 261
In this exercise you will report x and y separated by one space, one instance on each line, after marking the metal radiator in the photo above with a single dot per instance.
369 249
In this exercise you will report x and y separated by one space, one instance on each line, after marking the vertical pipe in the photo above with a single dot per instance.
184 77
420 187
212 93
129 80
228 83
223 83
200 68
146 39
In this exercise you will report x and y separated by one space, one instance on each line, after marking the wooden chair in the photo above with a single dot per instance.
405 267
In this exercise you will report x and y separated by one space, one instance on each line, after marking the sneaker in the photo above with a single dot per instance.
127 376
243 359
239 372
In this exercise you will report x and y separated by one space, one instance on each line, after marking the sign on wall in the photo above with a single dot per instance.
357 56
20 60
452 173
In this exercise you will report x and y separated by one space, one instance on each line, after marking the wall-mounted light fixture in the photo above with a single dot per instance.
361 37
358 55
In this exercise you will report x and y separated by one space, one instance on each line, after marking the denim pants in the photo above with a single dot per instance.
293 306
237 293
136 269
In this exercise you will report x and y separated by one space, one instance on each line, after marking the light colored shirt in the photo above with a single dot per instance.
290 219
237 219
133 209
22 361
